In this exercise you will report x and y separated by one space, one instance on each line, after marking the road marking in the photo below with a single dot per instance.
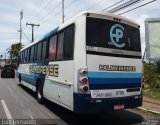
8 114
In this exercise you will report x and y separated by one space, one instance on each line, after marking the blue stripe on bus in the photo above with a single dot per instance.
32 79
27 78
114 80
100 80
113 75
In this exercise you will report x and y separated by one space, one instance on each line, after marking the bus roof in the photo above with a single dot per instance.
73 19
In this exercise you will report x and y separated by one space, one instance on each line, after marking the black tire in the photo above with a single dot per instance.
19 78
1 76
39 92
20 84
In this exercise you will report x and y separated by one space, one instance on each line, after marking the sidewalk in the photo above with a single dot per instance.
151 104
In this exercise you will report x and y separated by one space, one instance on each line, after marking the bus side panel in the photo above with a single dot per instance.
59 89
29 78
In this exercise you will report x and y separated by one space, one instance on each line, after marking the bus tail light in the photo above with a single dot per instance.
84 72
83 85
84 80
85 88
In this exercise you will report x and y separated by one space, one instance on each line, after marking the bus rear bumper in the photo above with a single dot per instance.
84 103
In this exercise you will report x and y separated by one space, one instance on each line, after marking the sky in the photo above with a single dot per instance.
47 13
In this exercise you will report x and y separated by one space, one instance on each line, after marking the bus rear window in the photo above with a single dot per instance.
111 34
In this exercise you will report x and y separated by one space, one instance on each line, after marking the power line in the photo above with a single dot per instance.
41 18
137 7
88 7
68 7
124 5
65 8
26 36
95 4
59 11
112 5
56 13
48 3
49 12
118 8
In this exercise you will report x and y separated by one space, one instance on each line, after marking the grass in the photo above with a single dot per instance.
152 93
151 75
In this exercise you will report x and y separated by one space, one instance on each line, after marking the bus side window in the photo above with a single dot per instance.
44 50
32 54
22 56
25 55
69 43
60 46
35 52
52 47
28 54
39 52
47 48
19 57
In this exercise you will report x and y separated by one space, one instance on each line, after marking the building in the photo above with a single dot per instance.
4 62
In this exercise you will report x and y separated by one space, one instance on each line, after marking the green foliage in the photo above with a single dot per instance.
152 93
158 67
152 80
13 51
152 75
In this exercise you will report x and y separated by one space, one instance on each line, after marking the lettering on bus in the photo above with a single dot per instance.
51 70
117 68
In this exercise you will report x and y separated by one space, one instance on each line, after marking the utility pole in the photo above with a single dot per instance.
32 25
62 11
20 26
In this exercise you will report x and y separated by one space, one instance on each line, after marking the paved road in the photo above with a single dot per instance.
20 103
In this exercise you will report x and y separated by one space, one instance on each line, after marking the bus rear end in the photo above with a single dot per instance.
112 77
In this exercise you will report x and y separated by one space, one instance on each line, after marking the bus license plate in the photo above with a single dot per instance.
112 93
118 107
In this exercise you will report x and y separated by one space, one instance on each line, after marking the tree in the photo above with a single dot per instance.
13 51
158 66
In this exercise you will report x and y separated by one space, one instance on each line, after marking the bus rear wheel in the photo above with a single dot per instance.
20 84
39 92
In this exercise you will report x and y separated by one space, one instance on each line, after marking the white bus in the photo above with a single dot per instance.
91 63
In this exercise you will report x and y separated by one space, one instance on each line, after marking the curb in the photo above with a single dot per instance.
154 112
